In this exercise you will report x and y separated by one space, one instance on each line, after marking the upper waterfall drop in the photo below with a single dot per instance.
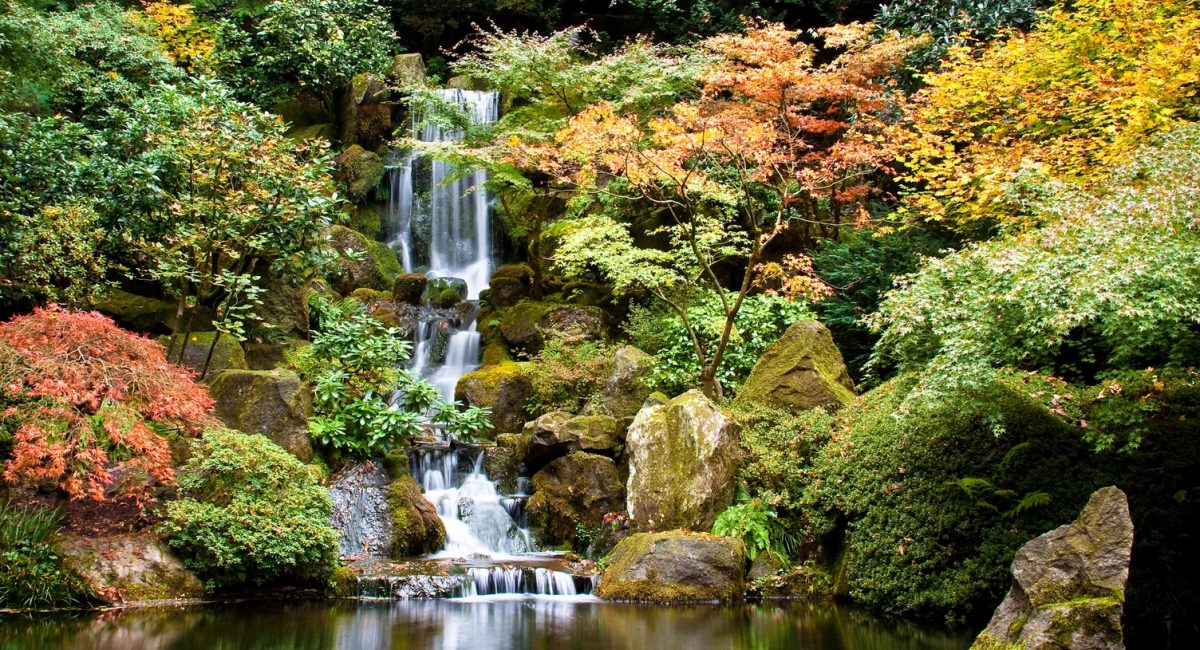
450 218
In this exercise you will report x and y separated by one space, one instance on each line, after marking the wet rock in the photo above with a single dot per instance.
361 512
130 568
409 287
557 434
624 392
226 355
408 587
416 527
527 324
674 567
1068 586
361 261
800 371
503 461
367 219
683 456
504 388
274 403
571 492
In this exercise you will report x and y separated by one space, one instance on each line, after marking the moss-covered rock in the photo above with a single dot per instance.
416 527
146 314
571 493
683 458
362 262
343 582
496 352
503 462
373 125
1068 586
370 296
504 388
360 172
408 288
444 293
324 132
227 355
130 568
506 292
674 567
274 403
558 433
406 71
800 371
367 219
284 308
269 356
302 111
527 324
624 393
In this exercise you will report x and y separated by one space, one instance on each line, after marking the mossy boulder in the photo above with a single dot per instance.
416 527
444 293
324 132
527 324
624 392
274 403
558 433
574 492
302 111
509 285
503 462
269 356
359 171
362 261
674 567
800 371
683 458
406 71
284 308
146 314
367 219
408 288
369 297
227 355
496 352
1068 586
504 388
130 568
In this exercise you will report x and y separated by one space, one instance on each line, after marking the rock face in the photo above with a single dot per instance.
527 324
274 403
416 528
682 459
576 490
674 567
503 388
1068 585
131 568
361 171
227 355
557 434
624 393
800 371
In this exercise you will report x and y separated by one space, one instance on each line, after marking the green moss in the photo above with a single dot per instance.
138 312
343 582
519 323
360 172
227 355
416 528
312 132
987 642
496 352
367 220
803 369
385 260
618 583
367 296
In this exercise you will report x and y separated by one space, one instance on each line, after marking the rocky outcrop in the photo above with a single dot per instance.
674 567
624 392
683 456
504 388
416 527
571 492
503 462
557 434
1068 588
226 355
274 403
527 324
361 261
800 371
283 307
130 568
360 172
406 71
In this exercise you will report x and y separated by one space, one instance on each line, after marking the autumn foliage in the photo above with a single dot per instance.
90 402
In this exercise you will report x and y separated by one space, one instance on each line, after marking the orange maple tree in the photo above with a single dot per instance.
89 403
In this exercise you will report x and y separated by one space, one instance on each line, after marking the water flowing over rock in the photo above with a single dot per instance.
274 403
682 459
572 492
800 371
674 567
360 511
130 568
1068 586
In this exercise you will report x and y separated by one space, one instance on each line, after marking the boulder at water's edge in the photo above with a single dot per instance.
674 567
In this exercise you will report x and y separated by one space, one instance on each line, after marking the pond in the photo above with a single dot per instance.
481 623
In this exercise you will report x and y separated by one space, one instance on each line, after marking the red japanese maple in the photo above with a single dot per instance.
90 402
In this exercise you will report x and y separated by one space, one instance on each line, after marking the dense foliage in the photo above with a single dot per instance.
93 405
568 375
250 512
32 575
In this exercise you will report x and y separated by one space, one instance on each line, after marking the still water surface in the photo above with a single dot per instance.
553 623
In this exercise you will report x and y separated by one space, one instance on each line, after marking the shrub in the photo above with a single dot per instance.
32 575
568 376
91 402
250 512
928 503
761 320
758 527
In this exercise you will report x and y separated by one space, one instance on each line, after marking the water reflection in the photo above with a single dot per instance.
481 624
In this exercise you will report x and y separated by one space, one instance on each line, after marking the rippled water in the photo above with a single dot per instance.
553 623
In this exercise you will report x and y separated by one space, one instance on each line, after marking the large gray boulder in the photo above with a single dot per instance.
674 567
274 403
683 455
557 434
572 492
1068 588
129 568
624 392
800 371
504 388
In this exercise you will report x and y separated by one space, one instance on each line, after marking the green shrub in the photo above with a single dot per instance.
568 376
761 320
929 503
758 527
250 512
32 575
